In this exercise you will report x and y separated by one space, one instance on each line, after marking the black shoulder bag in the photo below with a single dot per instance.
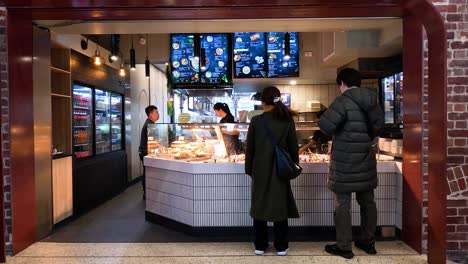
286 168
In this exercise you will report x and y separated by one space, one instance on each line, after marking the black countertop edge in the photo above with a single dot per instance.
59 156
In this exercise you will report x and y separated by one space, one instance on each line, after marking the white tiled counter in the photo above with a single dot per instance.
218 195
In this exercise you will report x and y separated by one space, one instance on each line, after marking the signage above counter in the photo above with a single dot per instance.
209 58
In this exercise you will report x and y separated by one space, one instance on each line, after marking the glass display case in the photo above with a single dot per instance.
102 119
116 121
206 142
82 124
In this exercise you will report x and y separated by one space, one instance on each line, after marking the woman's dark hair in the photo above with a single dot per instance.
349 76
272 96
222 106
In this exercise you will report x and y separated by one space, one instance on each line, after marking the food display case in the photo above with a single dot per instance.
82 121
205 142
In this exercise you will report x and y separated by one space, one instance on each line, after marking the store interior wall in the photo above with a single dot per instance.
143 92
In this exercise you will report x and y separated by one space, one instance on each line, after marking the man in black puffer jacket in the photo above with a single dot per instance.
354 119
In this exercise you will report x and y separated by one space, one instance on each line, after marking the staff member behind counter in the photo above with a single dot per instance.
231 138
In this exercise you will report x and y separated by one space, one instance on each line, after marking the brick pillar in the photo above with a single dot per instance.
5 136
455 13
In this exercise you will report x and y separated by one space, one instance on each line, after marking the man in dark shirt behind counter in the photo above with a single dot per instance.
153 116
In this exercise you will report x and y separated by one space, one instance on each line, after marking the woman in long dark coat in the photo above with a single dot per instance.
272 197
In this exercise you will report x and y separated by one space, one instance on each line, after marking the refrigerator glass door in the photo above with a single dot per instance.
388 85
116 121
399 98
102 119
82 122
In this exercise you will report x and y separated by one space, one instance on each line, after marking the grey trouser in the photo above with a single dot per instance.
343 218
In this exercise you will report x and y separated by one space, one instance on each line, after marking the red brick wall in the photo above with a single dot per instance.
5 140
455 13
5 127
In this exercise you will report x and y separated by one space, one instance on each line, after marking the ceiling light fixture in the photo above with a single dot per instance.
203 59
147 63
97 58
132 57
287 46
122 71
196 46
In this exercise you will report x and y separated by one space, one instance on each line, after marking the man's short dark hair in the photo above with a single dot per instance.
150 109
350 77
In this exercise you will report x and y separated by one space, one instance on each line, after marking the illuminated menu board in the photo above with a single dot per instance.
278 65
249 55
217 68
184 65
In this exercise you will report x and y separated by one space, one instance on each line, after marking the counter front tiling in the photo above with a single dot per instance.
198 196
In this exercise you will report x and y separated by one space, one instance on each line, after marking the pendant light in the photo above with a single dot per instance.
97 58
122 71
132 57
287 46
196 46
147 63
203 58
113 57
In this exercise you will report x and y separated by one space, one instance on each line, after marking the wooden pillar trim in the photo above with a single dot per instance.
437 141
413 68
23 203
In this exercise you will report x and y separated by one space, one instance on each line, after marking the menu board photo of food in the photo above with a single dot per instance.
249 55
217 69
184 65
279 65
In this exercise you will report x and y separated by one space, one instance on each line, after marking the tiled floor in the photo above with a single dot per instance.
198 253
116 232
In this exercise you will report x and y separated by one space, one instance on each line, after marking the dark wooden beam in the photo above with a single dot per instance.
23 199
412 208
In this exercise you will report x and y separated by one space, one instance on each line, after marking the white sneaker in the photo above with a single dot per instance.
283 253
259 252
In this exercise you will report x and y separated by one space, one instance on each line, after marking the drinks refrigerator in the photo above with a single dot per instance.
116 121
104 110
82 121
391 88
102 120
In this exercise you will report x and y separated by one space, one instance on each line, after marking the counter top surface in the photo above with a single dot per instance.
217 168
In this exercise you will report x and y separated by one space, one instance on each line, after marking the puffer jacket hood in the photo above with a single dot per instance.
366 98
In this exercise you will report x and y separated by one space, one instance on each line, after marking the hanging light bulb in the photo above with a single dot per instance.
147 64
203 58
97 58
122 71
132 57
287 46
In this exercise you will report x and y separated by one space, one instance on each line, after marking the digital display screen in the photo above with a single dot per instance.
217 68
184 65
278 65
249 55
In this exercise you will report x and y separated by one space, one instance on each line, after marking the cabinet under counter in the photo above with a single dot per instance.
204 196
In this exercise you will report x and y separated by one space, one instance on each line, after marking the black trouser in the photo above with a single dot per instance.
342 216
143 176
261 235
